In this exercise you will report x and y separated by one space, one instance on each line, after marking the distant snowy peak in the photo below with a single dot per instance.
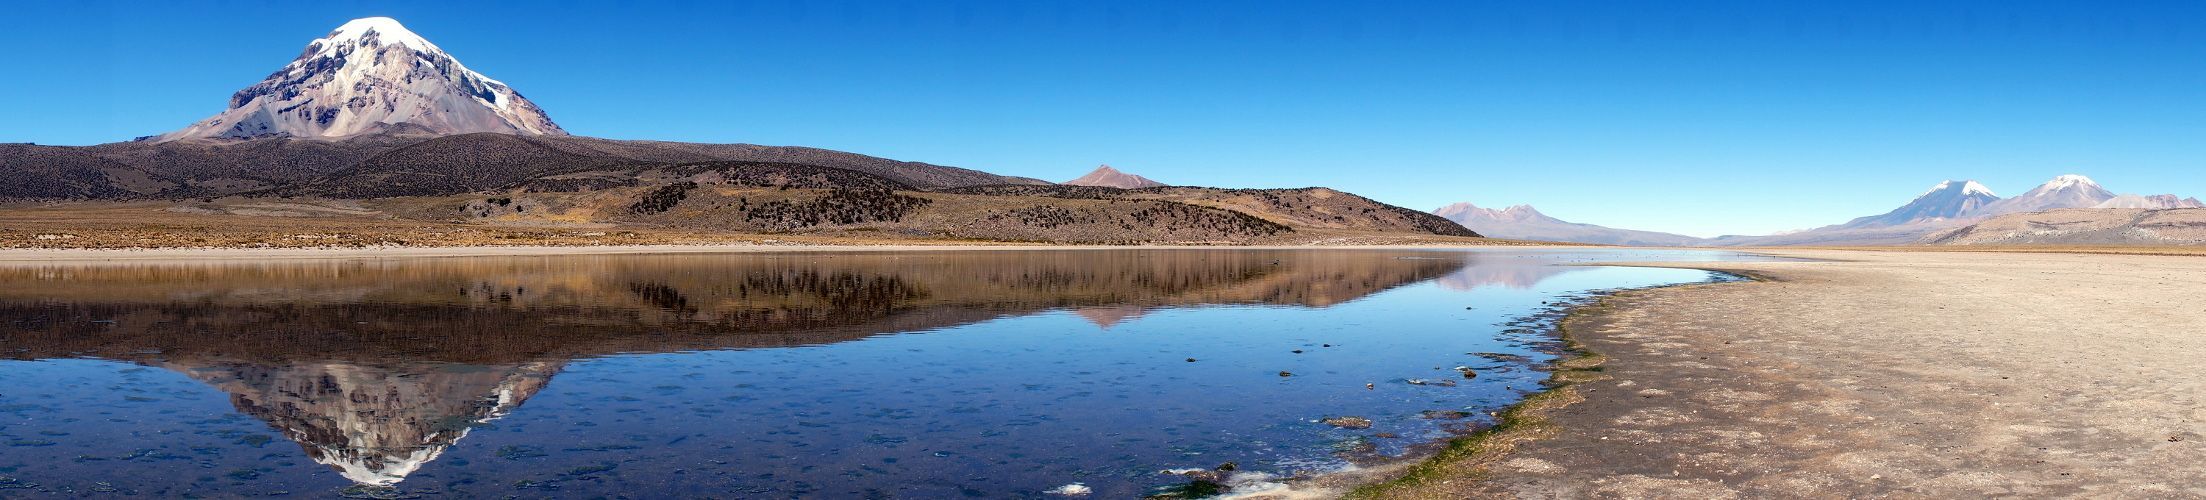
1949 200
1461 212
367 31
372 75
1953 204
1967 188
2069 181
2067 191
1105 176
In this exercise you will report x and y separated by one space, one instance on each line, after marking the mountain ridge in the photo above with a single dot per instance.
1948 200
1527 223
1946 206
2065 191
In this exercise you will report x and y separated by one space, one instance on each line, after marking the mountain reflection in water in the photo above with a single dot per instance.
376 367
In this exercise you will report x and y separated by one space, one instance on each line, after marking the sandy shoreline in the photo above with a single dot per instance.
1912 374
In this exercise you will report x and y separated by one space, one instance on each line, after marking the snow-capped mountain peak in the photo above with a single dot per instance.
1461 212
368 75
2067 191
371 30
1967 188
1949 200
2067 181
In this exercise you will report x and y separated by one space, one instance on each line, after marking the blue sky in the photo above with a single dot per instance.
1697 117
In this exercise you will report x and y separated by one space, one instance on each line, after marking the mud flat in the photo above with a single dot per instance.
1909 374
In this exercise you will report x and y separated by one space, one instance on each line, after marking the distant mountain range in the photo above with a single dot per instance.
1105 176
1947 201
1522 222
1948 205
373 111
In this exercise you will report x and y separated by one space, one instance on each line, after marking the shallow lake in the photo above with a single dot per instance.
924 374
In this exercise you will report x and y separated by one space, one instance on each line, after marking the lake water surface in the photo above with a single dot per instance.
929 374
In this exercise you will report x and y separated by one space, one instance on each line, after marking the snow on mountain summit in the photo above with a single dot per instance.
2067 191
2067 181
368 75
1967 188
386 30
1949 200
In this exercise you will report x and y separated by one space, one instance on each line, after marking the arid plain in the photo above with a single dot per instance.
1870 373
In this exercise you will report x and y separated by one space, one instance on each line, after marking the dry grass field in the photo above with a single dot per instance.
440 222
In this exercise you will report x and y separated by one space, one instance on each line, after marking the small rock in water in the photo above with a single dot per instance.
1386 435
1370 386
1071 490
1325 345
1286 374
1349 422
1202 475
1190 360
1500 356
1298 351
1446 414
1467 372
1437 383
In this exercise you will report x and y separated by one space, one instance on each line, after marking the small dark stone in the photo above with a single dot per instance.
1190 360
1349 422
1286 374
1446 414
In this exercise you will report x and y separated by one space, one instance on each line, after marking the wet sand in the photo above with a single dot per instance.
1900 374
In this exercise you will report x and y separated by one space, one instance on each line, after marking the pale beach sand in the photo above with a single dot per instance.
1897 374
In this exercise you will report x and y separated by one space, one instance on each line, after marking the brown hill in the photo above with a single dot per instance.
1312 208
1105 176
63 173
556 181
367 165
450 165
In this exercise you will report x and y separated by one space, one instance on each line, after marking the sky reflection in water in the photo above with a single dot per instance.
763 375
